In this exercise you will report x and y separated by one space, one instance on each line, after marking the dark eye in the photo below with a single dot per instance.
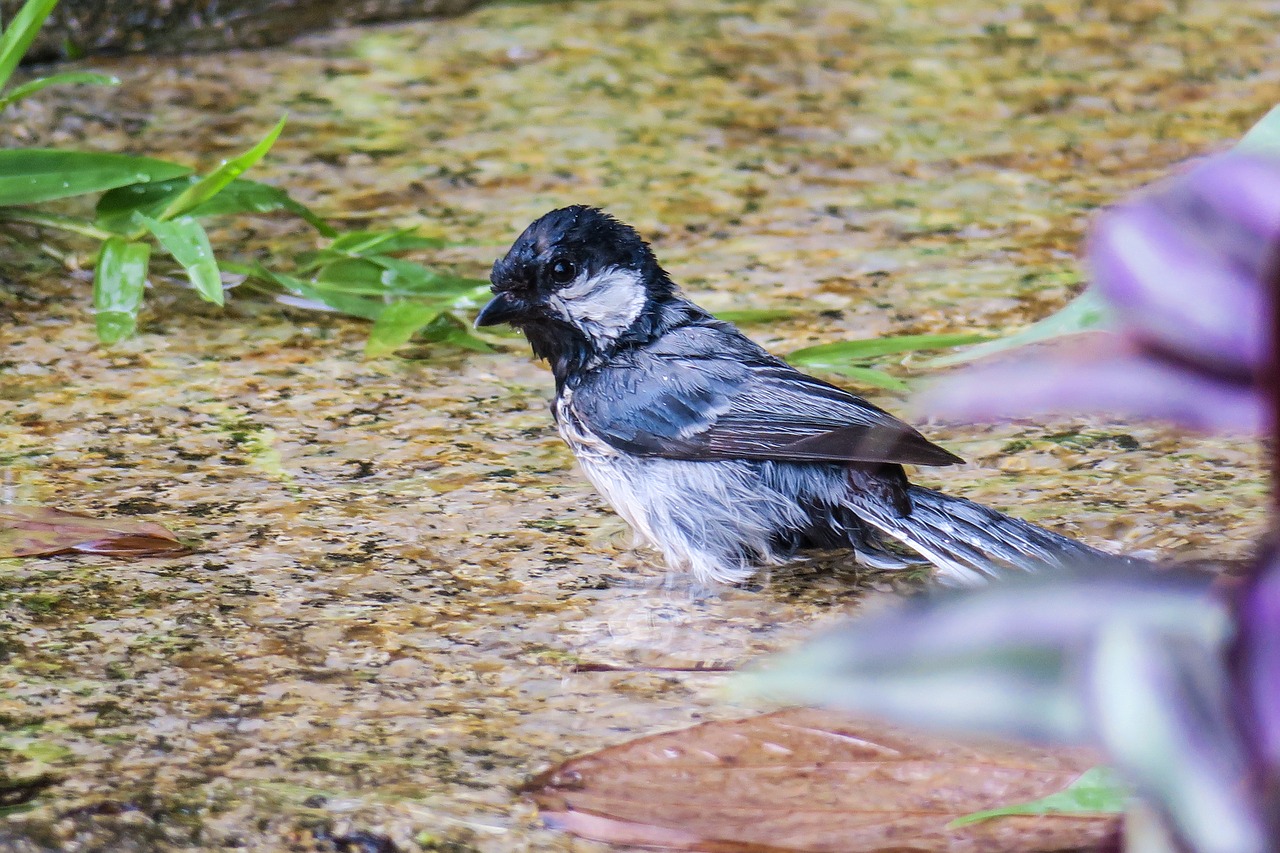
563 271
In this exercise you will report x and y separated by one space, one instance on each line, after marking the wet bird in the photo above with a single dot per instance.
720 455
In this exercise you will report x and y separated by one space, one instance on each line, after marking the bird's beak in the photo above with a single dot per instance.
502 308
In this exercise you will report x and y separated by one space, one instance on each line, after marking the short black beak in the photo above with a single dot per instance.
502 308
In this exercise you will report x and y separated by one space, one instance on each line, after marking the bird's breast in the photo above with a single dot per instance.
585 444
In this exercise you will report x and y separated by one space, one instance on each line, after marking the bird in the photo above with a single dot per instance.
720 455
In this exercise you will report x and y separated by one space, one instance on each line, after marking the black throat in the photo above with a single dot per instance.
572 355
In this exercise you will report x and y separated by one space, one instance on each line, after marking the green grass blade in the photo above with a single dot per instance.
26 90
185 239
451 330
1097 791
871 348
345 303
865 376
748 316
209 186
360 243
31 175
118 284
116 208
41 219
1086 313
22 30
1263 137
393 277
397 325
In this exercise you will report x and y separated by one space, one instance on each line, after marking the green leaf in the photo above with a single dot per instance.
361 243
1097 791
217 180
186 240
397 326
865 375
871 348
382 275
28 89
116 208
401 276
1263 137
449 329
338 300
22 30
31 175
748 316
1086 313
118 284
41 219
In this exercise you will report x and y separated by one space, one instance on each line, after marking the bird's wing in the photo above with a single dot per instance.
719 405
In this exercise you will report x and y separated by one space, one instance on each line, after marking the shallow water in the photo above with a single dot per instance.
399 564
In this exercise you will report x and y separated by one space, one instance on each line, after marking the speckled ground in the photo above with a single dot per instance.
398 563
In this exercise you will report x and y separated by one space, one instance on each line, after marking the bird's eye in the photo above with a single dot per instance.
563 271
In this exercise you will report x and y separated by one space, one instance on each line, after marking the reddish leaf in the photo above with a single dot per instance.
37 531
806 780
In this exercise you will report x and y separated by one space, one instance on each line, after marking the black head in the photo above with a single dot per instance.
579 283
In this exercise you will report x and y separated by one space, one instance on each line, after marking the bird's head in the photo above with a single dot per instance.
578 283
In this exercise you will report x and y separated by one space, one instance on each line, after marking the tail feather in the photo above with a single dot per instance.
970 543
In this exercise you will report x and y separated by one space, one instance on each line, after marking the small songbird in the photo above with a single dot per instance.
719 454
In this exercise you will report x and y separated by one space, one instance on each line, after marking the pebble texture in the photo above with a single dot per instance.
397 562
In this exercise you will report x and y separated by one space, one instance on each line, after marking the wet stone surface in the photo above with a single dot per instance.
397 563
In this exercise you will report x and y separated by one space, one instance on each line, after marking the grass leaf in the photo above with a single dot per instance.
871 348
393 277
865 376
747 316
449 329
22 30
116 208
118 284
1263 137
31 175
339 300
361 243
1086 313
397 325
1098 791
28 89
185 239
216 181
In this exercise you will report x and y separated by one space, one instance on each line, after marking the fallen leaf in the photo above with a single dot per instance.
37 531
809 780
1098 790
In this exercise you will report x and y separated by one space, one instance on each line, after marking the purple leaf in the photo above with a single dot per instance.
1182 284
1186 270
1256 661
1002 660
1161 706
1106 376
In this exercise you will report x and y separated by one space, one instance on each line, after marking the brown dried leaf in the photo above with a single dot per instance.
37 531
816 781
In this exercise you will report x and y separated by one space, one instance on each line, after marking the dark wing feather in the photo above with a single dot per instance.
718 396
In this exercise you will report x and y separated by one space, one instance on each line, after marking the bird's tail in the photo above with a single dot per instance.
970 543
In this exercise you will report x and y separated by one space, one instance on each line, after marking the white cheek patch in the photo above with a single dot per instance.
604 305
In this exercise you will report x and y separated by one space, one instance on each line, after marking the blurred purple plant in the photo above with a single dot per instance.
1185 271
1176 678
